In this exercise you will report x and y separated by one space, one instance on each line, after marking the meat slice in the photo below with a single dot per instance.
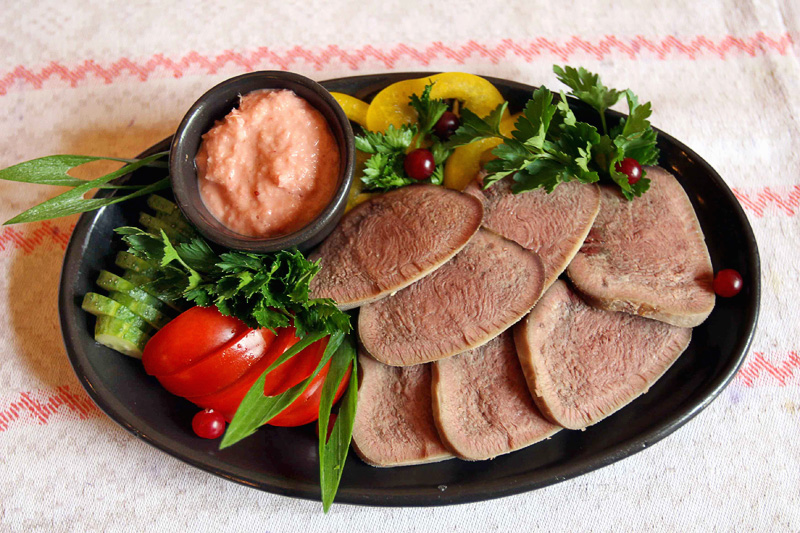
482 291
391 241
552 225
481 402
583 364
647 256
394 420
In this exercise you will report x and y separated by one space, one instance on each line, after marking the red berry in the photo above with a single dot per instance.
446 125
208 424
419 164
727 283
631 168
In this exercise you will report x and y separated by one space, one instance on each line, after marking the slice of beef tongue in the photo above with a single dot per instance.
487 287
481 402
553 225
394 420
582 363
647 256
391 241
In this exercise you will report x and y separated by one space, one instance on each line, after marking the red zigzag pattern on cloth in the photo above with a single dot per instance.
528 50
756 365
42 405
757 202
47 232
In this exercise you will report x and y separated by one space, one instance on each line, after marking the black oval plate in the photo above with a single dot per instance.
284 460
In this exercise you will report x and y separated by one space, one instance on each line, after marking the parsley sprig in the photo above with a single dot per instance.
263 290
550 146
384 170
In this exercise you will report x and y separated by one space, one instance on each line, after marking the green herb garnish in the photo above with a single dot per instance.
384 170
52 170
550 146
263 290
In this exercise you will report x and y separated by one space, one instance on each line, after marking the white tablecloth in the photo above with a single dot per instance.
89 77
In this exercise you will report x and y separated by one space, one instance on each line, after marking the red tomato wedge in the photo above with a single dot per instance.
213 360
186 339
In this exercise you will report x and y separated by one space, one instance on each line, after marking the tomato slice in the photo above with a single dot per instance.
390 106
220 368
230 357
191 336
305 408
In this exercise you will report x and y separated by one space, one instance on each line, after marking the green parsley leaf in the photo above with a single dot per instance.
531 127
587 87
262 290
428 111
385 172
474 128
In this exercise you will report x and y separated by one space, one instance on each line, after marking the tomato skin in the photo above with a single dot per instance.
229 358
305 408
188 338
221 367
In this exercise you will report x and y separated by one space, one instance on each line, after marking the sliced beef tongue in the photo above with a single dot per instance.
481 403
482 291
553 225
391 241
394 420
582 363
647 256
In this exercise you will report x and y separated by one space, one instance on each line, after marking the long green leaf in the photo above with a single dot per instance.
52 169
73 201
333 451
257 409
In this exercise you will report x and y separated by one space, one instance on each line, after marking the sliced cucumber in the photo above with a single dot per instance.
177 231
128 261
153 316
100 305
111 282
178 222
140 280
162 205
120 335
137 279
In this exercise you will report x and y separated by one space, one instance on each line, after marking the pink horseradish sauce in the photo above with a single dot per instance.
270 166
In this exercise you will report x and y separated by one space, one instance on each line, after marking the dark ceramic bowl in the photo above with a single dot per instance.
217 103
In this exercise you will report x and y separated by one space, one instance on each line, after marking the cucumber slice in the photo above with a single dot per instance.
155 226
140 279
153 316
137 279
100 305
178 222
120 335
111 282
162 205
128 261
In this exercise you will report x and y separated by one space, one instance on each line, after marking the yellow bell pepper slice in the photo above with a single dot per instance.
466 161
355 109
390 106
